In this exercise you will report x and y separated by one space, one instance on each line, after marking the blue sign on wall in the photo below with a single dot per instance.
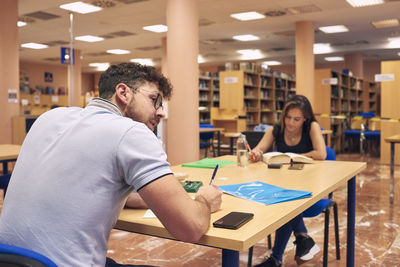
66 55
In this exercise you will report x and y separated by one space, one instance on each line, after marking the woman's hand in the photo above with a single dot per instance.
255 155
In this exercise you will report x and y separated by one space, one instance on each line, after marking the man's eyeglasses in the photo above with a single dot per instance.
157 101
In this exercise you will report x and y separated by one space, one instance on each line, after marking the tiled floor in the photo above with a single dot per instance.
377 231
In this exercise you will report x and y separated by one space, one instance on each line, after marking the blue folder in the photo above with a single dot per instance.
264 193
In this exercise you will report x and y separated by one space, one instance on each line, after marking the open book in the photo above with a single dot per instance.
279 157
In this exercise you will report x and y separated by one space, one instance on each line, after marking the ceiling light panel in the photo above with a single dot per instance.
272 63
248 54
361 3
143 61
81 7
156 28
21 23
34 46
334 29
118 51
321 48
334 58
246 37
247 16
385 23
89 38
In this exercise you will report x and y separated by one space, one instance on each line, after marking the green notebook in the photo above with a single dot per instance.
208 163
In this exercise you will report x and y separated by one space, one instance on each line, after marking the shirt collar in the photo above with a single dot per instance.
104 103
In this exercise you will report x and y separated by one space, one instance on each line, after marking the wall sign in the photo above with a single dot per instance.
384 77
333 81
48 77
231 80
66 55
12 96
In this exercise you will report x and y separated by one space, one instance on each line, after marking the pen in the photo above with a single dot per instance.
248 148
214 173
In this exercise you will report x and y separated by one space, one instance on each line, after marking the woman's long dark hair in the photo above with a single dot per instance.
297 101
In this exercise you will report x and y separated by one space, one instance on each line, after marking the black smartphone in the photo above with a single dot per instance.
274 165
296 166
233 220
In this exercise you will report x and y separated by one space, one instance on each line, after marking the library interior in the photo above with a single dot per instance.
233 65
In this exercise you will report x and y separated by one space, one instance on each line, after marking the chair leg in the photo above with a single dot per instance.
335 215
326 238
269 242
250 258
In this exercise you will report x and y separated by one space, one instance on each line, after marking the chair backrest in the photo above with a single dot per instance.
17 256
356 123
253 137
206 136
374 124
330 154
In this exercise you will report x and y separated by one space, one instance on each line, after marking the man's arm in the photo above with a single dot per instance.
185 218
134 201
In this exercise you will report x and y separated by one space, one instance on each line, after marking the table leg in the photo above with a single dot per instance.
230 258
391 172
231 146
5 167
351 217
219 143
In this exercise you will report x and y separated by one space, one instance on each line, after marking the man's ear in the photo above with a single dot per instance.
122 93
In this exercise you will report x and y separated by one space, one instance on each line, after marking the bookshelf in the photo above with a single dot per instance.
371 97
259 92
208 94
340 96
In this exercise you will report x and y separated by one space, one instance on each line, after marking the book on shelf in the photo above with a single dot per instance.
282 158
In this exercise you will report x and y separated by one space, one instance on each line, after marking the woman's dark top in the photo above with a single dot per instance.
304 146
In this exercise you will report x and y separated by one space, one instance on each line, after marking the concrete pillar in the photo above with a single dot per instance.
162 128
182 52
305 59
9 68
354 63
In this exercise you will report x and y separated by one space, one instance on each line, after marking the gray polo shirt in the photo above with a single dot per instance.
71 180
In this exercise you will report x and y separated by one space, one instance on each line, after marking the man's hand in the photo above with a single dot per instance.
212 195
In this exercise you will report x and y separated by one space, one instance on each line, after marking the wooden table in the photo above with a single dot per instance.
8 153
321 178
392 140
218 130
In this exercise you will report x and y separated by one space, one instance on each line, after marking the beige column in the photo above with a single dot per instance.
162 128
354 62
182 52
9 72
77 73
305 59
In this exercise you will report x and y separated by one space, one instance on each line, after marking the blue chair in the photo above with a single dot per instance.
373 136
353 135
206 139
324 206
17 256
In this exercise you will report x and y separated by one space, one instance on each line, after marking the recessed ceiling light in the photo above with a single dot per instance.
272 63
143 61
334 58
394 42
81 7
200 59
89 38
100 66
246 37
34 45
361 3
21 23
118 51
250 54
247 16
385 23
334 29
156 28
321 48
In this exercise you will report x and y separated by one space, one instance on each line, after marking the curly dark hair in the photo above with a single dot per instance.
133 75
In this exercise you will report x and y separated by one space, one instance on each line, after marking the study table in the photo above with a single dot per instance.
392 140
8 153
321 178
218 130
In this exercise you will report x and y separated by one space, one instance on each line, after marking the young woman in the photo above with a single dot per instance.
297 132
